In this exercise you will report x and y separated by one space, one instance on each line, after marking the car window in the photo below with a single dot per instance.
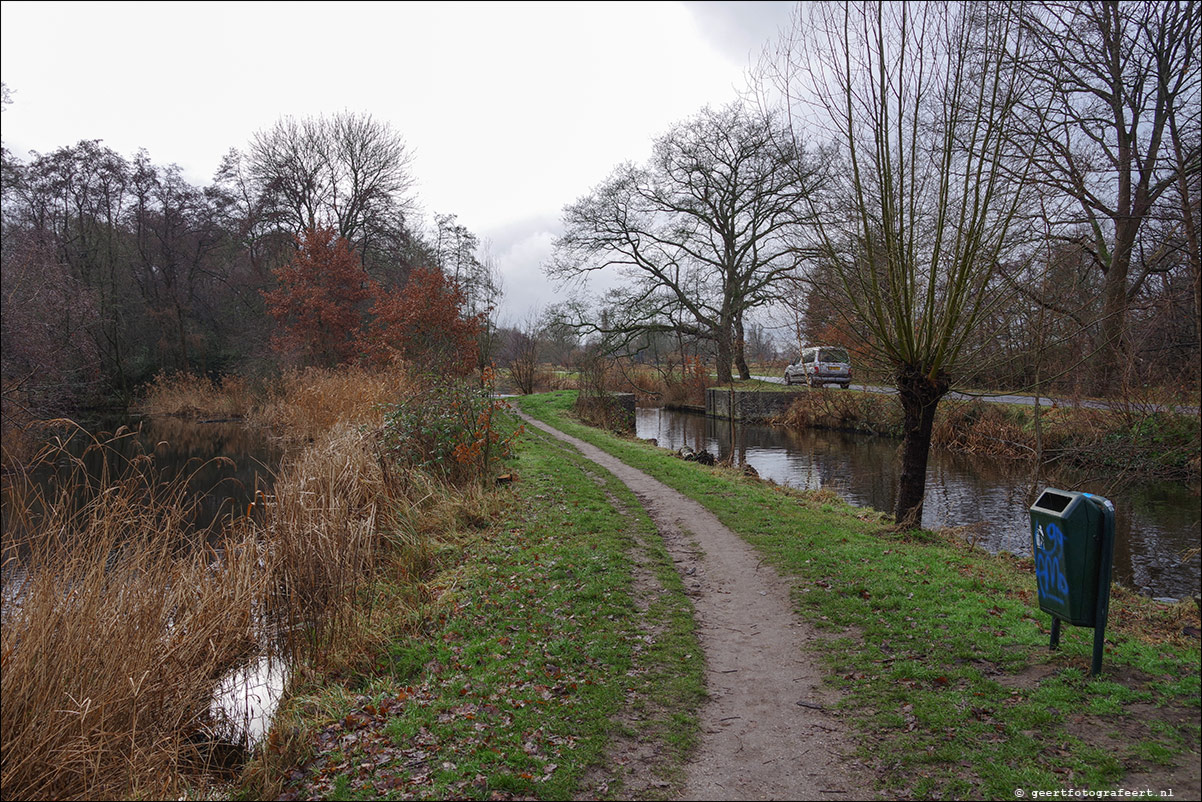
834 355
807 357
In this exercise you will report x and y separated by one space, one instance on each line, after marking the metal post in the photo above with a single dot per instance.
1055 644
1105 569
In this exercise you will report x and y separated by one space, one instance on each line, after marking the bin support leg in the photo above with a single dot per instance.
1099 630
1055 644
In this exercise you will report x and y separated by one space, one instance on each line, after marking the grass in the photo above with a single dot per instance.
550 634
116 620
941 652
122 619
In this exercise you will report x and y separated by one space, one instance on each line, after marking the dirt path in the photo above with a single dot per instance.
766 732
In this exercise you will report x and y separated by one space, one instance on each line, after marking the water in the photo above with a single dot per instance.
247 697
224 463
1156 523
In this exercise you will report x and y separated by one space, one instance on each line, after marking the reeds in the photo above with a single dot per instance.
321 531
191 396
304 404
855 412
116 624
1148 440
119 620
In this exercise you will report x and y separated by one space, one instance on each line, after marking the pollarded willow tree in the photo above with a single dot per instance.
699 233
918 100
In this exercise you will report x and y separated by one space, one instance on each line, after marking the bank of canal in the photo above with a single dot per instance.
1157 522
227 465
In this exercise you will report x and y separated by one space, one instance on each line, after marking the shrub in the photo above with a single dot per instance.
449 429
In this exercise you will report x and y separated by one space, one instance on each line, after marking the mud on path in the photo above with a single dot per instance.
767 731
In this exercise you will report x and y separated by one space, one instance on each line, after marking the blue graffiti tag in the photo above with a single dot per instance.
1049 564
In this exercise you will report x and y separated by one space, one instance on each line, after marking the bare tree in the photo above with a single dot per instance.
467 262
699 233
347 171
482 300
522 352
1112 77
918 99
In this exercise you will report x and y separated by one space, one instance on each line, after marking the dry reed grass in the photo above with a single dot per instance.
1147 441
305 403
858 412
321 530
558 380
121 623
977 427
192 396
116 624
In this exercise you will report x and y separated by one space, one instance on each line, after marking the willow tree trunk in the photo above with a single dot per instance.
919 394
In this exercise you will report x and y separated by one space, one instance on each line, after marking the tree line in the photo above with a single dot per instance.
999 194
1066 132
304 249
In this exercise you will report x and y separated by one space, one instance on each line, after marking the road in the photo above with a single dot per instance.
1025 400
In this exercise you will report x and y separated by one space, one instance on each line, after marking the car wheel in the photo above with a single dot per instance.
788 380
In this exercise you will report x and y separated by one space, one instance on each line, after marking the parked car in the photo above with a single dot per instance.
819 365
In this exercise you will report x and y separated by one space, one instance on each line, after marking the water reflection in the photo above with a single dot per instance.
224 463
247 697
1156 525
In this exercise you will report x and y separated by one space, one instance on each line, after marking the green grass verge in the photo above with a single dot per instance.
941 651
562 633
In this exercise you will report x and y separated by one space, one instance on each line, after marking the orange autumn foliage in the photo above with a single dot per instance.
319 301
421 323
321 308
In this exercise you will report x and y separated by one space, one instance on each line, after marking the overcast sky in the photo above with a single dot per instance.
512 110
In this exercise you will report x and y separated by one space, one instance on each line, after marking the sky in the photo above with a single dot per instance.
511 110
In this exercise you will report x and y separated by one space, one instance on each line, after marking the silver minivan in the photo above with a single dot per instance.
822 364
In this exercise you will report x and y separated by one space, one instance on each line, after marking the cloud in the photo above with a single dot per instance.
742 30
520 249
512 110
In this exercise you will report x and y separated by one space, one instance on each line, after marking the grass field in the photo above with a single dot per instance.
941 651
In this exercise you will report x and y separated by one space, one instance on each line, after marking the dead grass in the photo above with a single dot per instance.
121 620
305 403
191 396
116 623
838 409
320 528
976 427
1128 438
1154 622
299 405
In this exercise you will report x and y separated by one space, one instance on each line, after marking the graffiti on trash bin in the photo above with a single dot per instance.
1049 563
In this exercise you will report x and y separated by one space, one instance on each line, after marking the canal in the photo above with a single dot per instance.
1157 522
225 465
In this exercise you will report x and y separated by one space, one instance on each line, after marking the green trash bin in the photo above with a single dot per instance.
1072 541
